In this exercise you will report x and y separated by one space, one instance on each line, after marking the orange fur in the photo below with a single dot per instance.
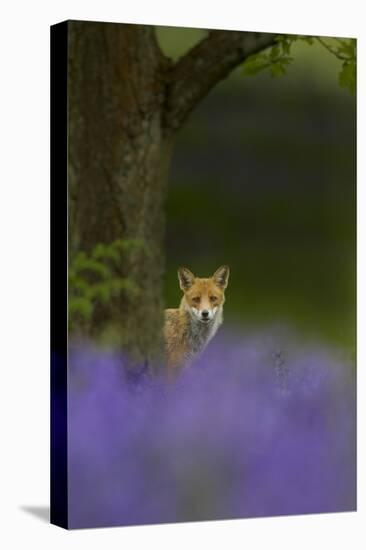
189 328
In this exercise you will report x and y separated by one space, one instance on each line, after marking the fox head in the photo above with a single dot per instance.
204 297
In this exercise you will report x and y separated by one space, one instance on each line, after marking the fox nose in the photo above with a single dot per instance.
204 313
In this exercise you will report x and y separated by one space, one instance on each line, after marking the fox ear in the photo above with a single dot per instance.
186 278
221 276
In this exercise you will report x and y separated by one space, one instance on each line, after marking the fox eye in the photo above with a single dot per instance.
196 299
213 298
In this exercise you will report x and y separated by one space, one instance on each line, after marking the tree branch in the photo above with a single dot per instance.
331 50
211 60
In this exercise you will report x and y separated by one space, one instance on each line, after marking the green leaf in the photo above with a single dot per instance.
100 291
255 64
286 46
126 285
274 53
132 246
80 306
308 39
103 251
77 283
82 263
278 69
278 57
95 277
347 76
347 48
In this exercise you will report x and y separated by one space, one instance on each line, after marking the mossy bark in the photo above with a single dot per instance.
118 163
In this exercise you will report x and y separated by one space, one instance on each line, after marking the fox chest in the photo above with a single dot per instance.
199 336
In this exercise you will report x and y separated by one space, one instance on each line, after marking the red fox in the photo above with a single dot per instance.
189 328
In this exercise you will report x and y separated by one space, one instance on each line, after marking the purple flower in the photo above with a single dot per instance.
257 427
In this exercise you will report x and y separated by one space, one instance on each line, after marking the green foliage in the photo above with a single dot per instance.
95 278
347 76
278 57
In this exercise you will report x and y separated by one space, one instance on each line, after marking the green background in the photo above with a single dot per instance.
264 179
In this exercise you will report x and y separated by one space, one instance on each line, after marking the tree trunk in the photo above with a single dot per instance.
118 163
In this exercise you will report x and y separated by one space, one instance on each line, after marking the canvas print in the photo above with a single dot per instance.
203 274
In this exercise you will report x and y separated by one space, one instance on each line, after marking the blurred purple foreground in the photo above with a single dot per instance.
258 427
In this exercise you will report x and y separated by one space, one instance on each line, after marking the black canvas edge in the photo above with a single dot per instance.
59 231
59 272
